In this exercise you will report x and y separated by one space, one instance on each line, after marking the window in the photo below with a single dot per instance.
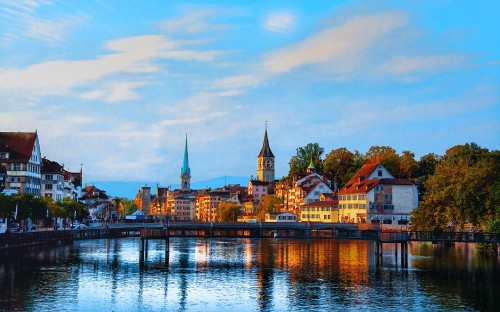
348 197
48 186
379 173
388 196
49 177
354 197
17 167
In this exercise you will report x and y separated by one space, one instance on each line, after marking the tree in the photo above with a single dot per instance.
342 164
408 165
268 204
385 155
227 212
461 190
301 161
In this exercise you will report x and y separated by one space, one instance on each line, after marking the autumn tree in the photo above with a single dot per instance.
342 164
408 165
302 159
385 155
461 190
268 204
227 212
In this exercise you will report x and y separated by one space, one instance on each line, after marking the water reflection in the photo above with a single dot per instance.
245 275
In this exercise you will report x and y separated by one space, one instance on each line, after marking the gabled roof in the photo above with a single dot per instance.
366 185
49 166
266 150
363 173
19 145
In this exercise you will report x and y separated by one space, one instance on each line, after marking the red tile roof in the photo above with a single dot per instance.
323 203
18 144
366 185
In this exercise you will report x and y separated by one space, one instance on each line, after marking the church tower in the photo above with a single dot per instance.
185 171
265 162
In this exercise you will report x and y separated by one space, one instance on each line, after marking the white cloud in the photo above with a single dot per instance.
403 65
193 23
134 55
279 22
237 82
342 47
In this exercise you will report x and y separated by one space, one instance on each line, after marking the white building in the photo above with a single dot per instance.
20 155
374 196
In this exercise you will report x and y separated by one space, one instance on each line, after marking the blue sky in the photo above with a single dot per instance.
116 84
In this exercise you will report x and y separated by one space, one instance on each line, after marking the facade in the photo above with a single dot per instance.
52 179
73 184
280 217
96 201
207 203
374 196
320 211
306 188
143 199
20 155
181 205
257 189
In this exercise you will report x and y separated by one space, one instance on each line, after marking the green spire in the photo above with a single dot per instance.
311 165
185 164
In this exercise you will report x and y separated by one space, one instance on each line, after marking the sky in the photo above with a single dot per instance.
115 85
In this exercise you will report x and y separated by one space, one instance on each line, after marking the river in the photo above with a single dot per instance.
246 275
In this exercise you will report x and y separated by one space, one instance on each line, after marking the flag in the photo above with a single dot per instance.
75 214
47 213
15 214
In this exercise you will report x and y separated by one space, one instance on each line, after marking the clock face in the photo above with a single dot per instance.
269 163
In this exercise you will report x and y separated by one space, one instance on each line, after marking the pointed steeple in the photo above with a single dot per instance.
185 164
266 150
311 167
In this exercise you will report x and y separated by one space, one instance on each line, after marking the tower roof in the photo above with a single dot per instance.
266 150
185 164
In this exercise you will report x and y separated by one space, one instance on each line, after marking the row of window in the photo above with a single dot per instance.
352 197
292 218
318 209
306 216
352 206
385 207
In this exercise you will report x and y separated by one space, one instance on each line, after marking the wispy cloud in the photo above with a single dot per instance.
133 56
279 22
21 19
193 23
342 47
403 65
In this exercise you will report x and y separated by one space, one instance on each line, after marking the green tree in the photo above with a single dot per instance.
342 164
128 205
461 190
302 159
268 204
227 212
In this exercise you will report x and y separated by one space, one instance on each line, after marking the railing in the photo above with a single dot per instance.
232 229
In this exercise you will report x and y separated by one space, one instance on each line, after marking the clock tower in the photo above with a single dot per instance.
265 162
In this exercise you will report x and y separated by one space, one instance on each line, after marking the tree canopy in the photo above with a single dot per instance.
463 190
302 159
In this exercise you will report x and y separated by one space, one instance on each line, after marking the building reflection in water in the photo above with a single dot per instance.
249 274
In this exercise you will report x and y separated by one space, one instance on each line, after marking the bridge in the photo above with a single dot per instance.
148 231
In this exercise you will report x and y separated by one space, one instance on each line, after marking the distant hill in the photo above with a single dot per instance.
130 188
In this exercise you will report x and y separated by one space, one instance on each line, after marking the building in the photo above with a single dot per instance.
374 196
307 187
280 217
96 202
20 155
264 184
52 179
320 211
143 199
73 184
